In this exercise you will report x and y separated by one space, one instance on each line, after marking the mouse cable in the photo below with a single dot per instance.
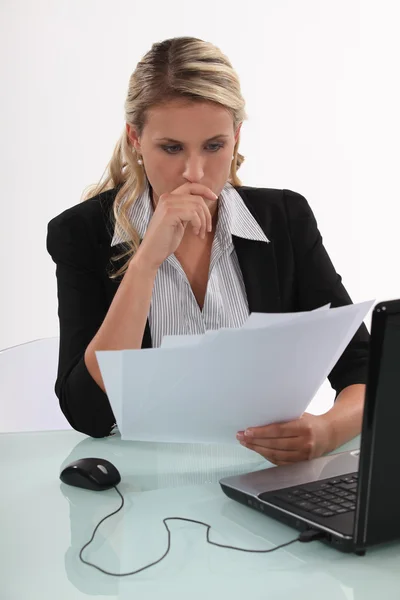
308 535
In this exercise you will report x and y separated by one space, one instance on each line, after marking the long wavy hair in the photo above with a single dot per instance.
177 68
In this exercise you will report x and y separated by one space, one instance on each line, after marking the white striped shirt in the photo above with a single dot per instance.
174 309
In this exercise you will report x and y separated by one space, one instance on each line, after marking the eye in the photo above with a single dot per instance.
171 149
214 147
174 149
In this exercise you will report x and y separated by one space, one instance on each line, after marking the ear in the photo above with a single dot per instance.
133 137
237 132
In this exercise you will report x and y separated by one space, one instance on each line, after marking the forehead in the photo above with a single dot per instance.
185 120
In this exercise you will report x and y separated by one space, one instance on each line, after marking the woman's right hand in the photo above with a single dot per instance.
185 206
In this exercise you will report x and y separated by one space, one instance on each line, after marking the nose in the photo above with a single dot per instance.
194 169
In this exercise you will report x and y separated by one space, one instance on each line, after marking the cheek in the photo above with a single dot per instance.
162 174
156 168
220 169
219 162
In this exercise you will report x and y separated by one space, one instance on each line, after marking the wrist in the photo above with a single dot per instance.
343 421
330 441
139 264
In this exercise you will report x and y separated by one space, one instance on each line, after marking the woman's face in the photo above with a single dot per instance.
186 142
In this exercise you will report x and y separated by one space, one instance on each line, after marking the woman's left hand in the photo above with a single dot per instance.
284 443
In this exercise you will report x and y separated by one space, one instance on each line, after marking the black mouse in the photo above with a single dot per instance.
95 474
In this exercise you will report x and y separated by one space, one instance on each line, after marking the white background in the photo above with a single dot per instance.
321 82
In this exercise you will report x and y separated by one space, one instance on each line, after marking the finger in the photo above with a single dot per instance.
196 222
276 430
175 208
197 189
277 456
290 444
201 212
184 214
208 217
200 202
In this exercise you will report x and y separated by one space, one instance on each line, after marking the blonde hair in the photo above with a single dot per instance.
186 68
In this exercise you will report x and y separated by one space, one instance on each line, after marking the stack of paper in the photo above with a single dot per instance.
205 388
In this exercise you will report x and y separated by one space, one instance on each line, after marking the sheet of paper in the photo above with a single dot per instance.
242 377
257 320
254 321
177 341
110 363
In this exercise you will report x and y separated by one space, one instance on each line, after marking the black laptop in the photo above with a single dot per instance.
352 497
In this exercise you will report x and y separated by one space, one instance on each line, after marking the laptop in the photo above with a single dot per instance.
352 497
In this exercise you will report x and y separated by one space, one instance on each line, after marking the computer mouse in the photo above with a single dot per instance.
95 474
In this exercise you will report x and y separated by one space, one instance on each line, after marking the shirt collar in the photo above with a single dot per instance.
234 218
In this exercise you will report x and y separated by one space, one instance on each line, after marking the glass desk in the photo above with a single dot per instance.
44 523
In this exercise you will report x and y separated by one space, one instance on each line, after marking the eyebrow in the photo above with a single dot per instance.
221 135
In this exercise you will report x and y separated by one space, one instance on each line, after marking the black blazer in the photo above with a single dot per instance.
291 273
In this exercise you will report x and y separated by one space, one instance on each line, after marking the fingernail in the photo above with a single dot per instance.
248 433
215 196
239 436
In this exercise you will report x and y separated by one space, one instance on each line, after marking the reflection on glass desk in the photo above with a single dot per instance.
44 523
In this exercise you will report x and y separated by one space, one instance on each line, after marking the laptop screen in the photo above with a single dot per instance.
378 513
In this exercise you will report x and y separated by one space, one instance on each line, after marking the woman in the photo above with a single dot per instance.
172 243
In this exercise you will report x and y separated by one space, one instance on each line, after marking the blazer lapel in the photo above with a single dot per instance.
258 265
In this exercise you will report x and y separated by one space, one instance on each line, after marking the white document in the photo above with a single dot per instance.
254 321
257 320
239 378
177 341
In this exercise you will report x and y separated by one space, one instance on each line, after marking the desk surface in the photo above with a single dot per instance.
44 523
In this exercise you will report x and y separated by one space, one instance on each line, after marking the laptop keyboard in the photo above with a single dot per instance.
325 498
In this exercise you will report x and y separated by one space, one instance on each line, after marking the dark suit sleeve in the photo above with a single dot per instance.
318 283
82 307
